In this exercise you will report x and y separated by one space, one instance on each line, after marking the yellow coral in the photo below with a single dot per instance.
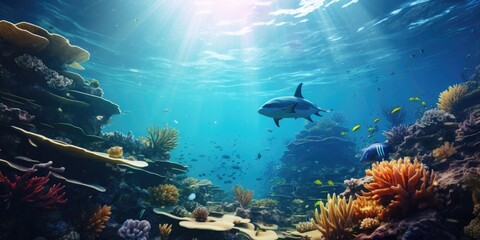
367 208
96 223
115 152
335 220
443 152
400 186
369 224
161 140
450 97
164 194
165 230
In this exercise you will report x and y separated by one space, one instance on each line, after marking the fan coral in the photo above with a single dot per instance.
200 214
31 191
435 116
164 194
400 186
443 152
165 230
339 118
369 224
115 152
265 203
96 223
161 140
134 230
242 196
450 97
396 134
302 227
367 208
336 218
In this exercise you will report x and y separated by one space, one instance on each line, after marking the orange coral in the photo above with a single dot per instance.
443 152
335 221
165 230
400 186
164 194
96 223
243 196
366 208
450 97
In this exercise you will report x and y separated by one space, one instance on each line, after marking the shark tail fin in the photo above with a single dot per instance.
298 92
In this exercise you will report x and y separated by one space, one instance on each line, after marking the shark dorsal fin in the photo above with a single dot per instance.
298 92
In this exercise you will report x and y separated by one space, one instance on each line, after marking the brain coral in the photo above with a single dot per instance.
400 186
164 194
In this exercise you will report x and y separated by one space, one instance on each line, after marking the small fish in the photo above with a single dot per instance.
166 110
259 156
376 120
395 110
317 203
318 182
356 128
343 133
175 121
424 104
422 51
269 130
372 129
192 196
306 206
141 213
414 99
59 110
330 183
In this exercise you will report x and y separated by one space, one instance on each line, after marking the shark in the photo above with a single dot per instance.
295 106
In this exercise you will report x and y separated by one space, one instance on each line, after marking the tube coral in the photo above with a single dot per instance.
242 196
31 191
335 220
450 97
400 186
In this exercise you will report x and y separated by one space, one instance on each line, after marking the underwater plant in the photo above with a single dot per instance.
443 152
396 118
450 97
161 140
164 194
165 230
200 214
396 134
31 191
134 230
96 223
335 220
401 186
242 196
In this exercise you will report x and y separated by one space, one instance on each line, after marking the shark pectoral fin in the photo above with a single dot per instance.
291 108
318 114
309 118
277 121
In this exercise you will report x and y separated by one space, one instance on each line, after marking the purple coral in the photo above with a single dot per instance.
468 126
57 81
396 134
134 230
9 115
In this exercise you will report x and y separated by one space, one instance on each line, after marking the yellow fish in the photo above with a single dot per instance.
343 133
424 104
376 120
330 183
318 182
356 128
414 99
318 203
372 129
395 110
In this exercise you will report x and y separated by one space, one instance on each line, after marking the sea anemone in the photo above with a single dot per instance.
450 97
396 134
200 214
335 221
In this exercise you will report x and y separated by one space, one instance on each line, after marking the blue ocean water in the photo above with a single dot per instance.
206 66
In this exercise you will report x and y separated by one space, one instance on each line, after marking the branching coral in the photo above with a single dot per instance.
164 194
165 230
450 97
400 186
96 223
161 140
443 152
335 220
242 196
396 134
31 191
200 214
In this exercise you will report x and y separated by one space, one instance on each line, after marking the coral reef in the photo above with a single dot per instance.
13 115
242 196
394 118
396 134
96 223
164 194
472 230
443 152
31 191
161 140
339 118
200 214
449 98
165 230
367 208
369 224
434 117
401 186
264 203
335 221
134 230
304 227
469 126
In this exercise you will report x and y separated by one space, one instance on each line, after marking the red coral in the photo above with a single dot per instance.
32 191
